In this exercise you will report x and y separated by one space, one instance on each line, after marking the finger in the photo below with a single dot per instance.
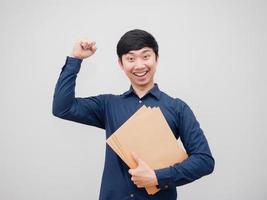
93 43
82 45
90 44
85 42
136 158
139 184
87 45
131 171
135 178
94 48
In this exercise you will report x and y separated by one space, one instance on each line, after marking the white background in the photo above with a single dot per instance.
213 55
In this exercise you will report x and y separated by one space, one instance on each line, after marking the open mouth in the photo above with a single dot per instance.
140 74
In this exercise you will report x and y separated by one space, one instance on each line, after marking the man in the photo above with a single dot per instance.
138 57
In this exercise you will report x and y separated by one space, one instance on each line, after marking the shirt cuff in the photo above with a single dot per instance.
164 178
73 64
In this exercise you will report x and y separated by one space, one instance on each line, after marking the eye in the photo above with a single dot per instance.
130 59
147 56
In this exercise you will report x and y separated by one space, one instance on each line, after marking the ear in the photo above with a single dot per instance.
157 58
120 63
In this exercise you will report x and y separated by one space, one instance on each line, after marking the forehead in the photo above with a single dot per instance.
140 51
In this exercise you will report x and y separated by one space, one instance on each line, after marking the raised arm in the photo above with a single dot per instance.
65 105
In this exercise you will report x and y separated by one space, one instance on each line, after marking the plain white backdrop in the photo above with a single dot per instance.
213 55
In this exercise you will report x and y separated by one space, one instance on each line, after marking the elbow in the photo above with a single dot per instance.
57 111
60 108
60 111
210 165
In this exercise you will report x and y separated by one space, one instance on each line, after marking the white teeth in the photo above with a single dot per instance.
140 73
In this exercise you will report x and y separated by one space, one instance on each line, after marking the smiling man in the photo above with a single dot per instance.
138 57
140 67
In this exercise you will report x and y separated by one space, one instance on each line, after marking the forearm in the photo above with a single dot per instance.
193 168
64 95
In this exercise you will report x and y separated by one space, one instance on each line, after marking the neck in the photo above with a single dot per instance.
142 90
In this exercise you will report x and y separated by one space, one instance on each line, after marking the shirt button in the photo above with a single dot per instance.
132 195
166 186
140 101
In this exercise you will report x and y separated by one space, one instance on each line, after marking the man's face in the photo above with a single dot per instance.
140 66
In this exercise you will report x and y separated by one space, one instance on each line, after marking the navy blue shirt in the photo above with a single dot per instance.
109 112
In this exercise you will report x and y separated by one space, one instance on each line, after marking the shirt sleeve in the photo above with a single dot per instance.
88 110
199 162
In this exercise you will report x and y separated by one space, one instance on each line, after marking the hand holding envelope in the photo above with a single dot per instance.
143 175
148 134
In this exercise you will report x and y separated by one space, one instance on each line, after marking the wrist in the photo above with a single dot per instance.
155 179
164 178
74 56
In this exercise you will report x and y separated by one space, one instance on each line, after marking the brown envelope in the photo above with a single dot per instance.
148 134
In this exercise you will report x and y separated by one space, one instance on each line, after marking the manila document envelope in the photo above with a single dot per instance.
148 134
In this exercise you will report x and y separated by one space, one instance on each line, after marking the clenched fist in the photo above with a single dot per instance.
83 49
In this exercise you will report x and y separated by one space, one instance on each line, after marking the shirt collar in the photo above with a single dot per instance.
155 91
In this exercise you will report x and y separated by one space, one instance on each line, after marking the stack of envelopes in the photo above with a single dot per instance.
148 135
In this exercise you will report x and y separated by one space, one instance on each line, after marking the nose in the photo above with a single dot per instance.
139 64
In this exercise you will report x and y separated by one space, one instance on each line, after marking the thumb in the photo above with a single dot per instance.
136 158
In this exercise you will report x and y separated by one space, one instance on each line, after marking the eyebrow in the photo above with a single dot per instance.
144 51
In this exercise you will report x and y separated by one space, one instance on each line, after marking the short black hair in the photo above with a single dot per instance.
134 40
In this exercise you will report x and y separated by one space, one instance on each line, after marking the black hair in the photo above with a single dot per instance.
134 40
